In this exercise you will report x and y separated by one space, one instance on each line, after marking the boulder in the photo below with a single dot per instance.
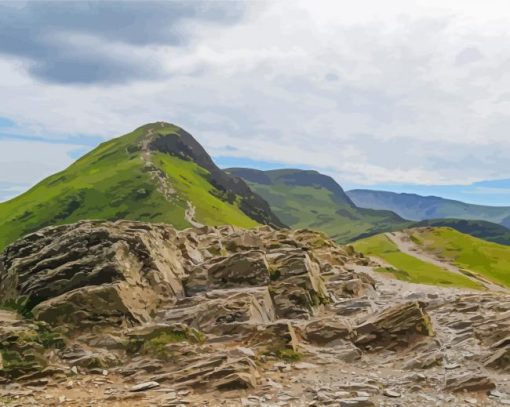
394 326
326 331
131 266
297 288
246 269
215 315
469 381
499 360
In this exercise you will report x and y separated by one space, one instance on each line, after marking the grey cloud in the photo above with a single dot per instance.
468 55
41 33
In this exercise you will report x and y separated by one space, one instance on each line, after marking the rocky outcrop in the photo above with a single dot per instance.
395 326
92 272
266 317
244 269
327 330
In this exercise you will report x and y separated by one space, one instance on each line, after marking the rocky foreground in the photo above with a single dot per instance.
132 314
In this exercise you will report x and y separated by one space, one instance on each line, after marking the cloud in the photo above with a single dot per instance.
102 42
374 93
468 55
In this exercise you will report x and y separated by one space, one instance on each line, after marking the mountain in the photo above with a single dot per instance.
309 199
157 173
441 256
417 207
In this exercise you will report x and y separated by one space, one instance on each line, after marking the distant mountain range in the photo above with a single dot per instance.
417 207
309 199
160 173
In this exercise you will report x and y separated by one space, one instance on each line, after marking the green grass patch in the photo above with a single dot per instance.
409 268
192 183
491 260
288 355
19 305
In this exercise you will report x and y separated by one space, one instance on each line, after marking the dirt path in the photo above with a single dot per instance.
189 215
156 174
407 246
160 177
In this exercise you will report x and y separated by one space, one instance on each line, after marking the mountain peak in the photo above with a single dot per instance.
157 173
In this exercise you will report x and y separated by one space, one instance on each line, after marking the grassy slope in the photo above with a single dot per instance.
190 181
491 260
110 183
317 208
409 268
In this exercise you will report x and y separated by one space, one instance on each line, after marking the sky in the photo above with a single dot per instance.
394 95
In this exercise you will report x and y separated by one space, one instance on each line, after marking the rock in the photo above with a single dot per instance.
325 331
425 360
215 309
144 386
94 271
274 337
391 393
297 288
244 269
246 351
305 365
236 381
77 356
349 289
451 366
500 360
469 381
395 326
356 402
215 315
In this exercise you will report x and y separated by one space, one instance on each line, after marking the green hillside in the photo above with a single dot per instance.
481 229
417 207
490 260
408 268
471 256
122 179
308 199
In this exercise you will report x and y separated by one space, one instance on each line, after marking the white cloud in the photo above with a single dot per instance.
370 91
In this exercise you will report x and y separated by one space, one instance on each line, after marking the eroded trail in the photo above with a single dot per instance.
189 215
407 246
156 174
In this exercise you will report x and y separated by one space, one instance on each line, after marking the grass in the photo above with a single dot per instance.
18 305
409 268
156 342
288 355
111 183
191 182
487 259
